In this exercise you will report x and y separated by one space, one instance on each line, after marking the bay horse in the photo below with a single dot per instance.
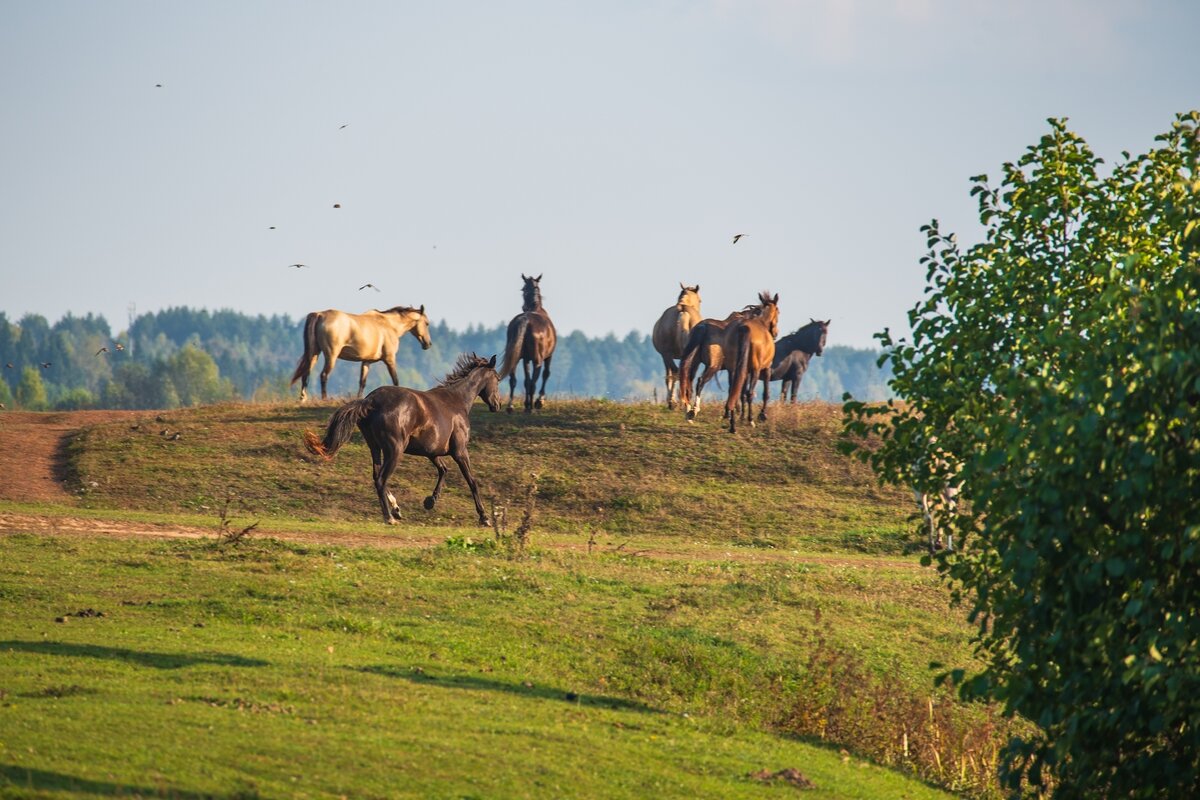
706 345
671 332
398 421
752 343
792 354
531 340
367 337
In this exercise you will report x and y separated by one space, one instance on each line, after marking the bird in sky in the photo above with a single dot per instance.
9 365
343 126
271 228
119 346
337 205
735 238
297 266
46 364
158 86
368 286
102 350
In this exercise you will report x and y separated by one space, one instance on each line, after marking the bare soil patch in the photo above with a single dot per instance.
33 450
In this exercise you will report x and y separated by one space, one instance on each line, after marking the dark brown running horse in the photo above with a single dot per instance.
792 354
367 337
395 421
753 342
531 340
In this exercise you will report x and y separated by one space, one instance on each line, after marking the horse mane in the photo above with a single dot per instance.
398 310
463 367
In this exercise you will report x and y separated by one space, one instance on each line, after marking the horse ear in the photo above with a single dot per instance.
828 321
776 300
813 321
696 288
492 363
523 277
422 309
538 279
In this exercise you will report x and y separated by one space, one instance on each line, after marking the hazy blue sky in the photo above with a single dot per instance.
615 147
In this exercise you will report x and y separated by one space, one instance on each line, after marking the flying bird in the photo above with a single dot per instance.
9 365
735 238
343 126
337 205
368 286
158 86
271 228
46 364
297 266
102 350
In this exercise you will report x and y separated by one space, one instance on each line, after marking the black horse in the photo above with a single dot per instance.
531 340
395 420
794 351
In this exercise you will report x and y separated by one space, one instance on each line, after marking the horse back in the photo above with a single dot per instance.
412 417
353 337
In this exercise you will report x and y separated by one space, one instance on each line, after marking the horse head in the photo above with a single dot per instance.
531 292
689 297
819 332
490 391
770 312
421 328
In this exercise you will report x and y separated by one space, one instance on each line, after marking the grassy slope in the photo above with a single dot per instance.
425 690
623 469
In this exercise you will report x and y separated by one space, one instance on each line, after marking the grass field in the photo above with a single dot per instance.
713 630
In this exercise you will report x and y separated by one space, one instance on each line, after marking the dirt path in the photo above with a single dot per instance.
32 451
32 457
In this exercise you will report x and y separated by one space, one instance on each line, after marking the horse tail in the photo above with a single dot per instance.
512 347
310 347
340 429
741 370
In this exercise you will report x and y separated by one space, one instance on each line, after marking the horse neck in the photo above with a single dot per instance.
400 323
466 388
533 301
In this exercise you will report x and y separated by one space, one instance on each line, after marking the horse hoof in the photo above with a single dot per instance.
390 521
509 409
691 415
429 501
539 403
670 406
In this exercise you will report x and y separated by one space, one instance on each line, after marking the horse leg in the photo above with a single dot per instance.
312 362
362 378
541 401
762 414
700 384
390 363
512 389
530 385
437 487
376 467
748 398
459 453
328 368
390 455
672 380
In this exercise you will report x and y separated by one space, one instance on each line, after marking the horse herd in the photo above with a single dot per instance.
434 424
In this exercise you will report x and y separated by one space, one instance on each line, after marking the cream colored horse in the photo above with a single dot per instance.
671 335
367 337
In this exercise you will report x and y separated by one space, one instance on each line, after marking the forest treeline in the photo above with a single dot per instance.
183 356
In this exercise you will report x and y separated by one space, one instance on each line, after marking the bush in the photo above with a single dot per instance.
1054 375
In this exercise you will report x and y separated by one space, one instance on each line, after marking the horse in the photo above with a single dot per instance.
671 335
367 337
792 354
753 342
706 345
531 339
395 420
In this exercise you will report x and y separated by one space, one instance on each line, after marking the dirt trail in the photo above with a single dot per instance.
32 457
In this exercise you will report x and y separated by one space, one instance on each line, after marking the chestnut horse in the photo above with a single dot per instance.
531 340
395 421
671 335
366 337
706 345
753 342
792 354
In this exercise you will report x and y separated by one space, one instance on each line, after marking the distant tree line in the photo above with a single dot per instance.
183 357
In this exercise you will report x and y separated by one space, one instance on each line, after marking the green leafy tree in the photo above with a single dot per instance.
31 392
196 377
6 396
1054 375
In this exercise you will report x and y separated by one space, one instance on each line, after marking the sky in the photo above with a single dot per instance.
155 154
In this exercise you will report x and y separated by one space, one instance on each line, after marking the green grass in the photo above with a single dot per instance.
275 670
696 607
